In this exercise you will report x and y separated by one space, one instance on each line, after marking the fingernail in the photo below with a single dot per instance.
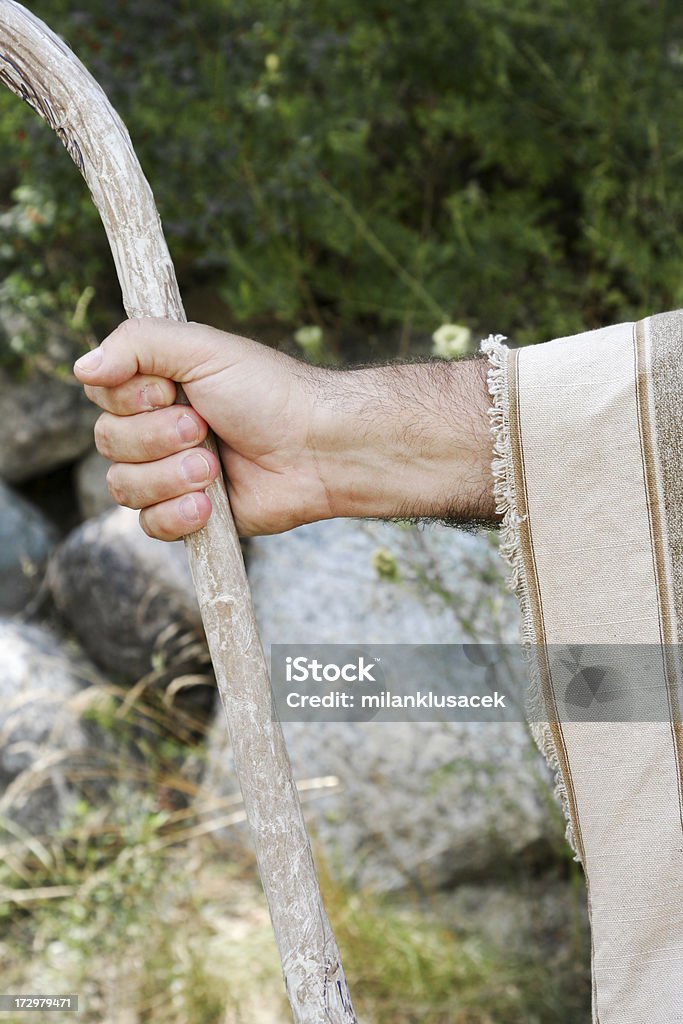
152 396
195 468
189 509
90 361
187 428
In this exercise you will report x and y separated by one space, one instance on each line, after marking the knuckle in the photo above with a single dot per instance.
126 328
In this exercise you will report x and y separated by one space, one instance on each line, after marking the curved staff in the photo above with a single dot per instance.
42 70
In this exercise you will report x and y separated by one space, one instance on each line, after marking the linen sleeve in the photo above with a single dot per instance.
588 474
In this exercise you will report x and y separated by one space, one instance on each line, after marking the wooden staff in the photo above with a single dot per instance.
42 70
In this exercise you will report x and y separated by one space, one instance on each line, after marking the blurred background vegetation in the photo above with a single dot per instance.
368 168
353 175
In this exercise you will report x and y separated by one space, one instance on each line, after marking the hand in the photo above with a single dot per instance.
298 443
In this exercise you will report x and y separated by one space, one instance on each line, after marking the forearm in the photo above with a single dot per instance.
404 441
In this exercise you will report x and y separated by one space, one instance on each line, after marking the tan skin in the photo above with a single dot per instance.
297 443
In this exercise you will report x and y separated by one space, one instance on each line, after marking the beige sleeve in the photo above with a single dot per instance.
587 465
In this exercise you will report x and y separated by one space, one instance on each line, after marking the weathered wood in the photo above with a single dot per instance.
42 70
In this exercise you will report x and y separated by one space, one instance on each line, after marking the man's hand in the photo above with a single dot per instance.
298 443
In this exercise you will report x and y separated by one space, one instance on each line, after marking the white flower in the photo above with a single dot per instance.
310 339
451 341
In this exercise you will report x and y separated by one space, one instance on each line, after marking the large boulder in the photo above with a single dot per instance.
50 422
129 599
45 750
349 581
419 802
26 539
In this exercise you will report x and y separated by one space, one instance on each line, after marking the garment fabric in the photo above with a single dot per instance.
588 469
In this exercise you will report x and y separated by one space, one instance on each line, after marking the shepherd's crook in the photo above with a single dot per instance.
41 69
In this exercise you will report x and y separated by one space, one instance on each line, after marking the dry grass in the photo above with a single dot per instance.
133 905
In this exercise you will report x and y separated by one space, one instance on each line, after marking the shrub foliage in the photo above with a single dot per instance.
510 166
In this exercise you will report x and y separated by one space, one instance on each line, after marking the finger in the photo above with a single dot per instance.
139 394
138 486
149 435
171 520
163 348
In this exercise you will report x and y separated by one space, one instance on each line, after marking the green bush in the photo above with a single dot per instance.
511 166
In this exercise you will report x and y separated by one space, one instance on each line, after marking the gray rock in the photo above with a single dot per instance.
50 423
321 584
43 744
523 914
26 539
91 485
420 803
129 599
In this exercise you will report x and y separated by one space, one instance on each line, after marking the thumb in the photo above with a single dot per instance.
162 348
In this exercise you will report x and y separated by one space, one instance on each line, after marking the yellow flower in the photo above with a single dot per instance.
385 565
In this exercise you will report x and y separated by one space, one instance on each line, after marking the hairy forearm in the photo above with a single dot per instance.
296 442
406 441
